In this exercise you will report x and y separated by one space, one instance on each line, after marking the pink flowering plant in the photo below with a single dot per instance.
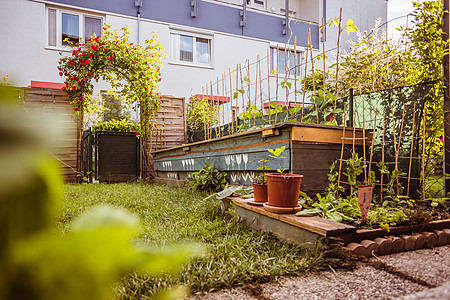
134 70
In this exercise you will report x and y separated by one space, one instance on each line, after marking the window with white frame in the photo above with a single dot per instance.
191 48
285 61
257 3
68 28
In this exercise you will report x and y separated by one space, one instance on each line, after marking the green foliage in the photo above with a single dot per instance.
393 189
116 125
236 255
207 179
94 252
200 113
333 206
134 70
426 56
277 154
262 178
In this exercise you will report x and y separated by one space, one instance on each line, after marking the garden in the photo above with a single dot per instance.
355 153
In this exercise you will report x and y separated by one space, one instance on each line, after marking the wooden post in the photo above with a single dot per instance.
446 99
412 148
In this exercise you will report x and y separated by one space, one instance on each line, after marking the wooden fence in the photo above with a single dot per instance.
55 103
172 116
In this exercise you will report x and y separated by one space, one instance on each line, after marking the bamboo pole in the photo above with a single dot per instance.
213 109
398 145
373 141
224 104
342 151
295 75
276 90
304 76
217 119
286 75
256 85
231 101
313 74
337 57
423 152
268 84
364 141
242 88
260 90
382 153
324 66
204 123
412 147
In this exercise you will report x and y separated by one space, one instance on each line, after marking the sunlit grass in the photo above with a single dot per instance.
171 215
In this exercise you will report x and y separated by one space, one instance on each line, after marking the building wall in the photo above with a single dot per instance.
24 55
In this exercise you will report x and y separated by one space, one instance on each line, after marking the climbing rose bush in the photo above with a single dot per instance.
133 70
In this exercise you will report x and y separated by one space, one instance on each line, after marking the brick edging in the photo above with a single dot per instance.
395 244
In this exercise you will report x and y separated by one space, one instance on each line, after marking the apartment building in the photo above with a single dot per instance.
202 38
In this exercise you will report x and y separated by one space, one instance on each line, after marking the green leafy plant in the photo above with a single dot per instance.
393 189
207 179
261 178
200 113
277 154
116 125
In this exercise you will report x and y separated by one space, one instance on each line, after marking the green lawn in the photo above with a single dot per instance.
170 215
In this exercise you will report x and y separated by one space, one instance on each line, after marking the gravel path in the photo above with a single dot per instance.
420 274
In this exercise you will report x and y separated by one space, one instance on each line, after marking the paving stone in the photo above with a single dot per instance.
371 246
441 238
431 239
409 242
384 246
420 241
357 249
398 244
447 232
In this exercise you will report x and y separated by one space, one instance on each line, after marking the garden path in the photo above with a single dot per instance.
420 274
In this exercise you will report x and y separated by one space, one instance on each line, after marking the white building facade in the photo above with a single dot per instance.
203 39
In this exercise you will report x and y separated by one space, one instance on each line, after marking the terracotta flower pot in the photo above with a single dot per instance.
260 192
283 189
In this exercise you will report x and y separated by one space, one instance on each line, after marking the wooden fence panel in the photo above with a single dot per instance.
172 115
54 102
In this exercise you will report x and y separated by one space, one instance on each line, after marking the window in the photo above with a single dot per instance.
66 28
257 3
191 48
288 61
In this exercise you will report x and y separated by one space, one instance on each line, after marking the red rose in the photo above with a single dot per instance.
148 78
109 57
89 73
88 61
60 73
106 50
159 79
90 55
73 87
128 51
79 83
73 64
83 79
134 62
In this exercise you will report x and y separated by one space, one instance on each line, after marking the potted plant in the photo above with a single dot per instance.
283 188
260 185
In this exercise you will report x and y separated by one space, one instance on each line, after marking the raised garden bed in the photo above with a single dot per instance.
310 149
310 231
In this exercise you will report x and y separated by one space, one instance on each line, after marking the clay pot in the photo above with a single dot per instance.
283 189
260 192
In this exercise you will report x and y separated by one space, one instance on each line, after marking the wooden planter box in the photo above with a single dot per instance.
310 150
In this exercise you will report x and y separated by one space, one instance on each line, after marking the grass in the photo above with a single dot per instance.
236 255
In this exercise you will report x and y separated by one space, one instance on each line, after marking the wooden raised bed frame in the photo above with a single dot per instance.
310 150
